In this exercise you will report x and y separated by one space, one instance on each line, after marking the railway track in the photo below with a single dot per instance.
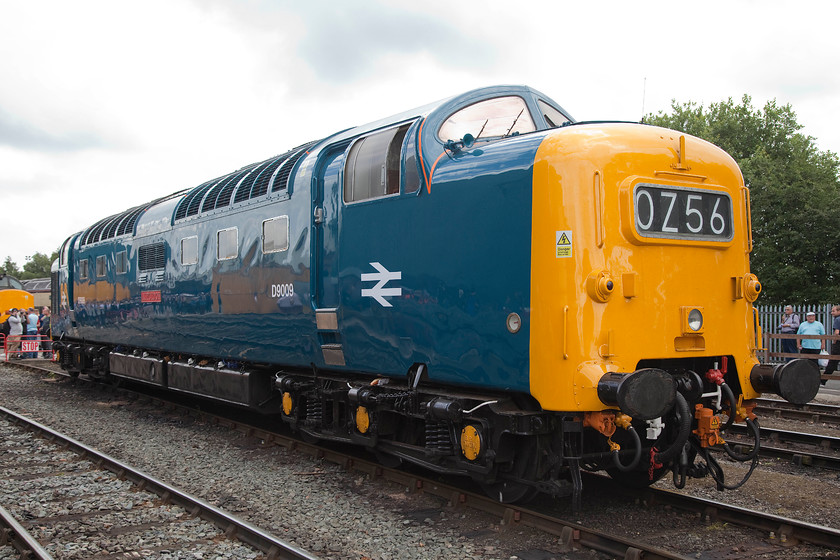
800 447
812 412
772 530
67 500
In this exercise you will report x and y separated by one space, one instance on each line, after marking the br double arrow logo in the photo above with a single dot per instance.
379 291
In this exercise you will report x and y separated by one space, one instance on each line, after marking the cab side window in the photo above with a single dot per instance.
552 116
373 165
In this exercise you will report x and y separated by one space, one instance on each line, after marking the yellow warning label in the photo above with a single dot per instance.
564 244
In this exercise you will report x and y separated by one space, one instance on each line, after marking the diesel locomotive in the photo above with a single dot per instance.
482 286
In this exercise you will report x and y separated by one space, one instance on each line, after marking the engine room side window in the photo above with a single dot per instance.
227 244
121 262
83 269
552 116
373 165
101 266
151 257
275 234
493 118
189 250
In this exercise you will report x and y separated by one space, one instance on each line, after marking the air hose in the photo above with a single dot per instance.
685 419
636 457
730 396
756 430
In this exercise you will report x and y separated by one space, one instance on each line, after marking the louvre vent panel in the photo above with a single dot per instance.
151 257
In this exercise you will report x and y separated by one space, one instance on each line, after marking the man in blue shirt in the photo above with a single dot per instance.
835 344
810 326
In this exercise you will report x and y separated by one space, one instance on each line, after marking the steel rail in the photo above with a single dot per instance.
783 528
232 526
830 443
19 538
812 412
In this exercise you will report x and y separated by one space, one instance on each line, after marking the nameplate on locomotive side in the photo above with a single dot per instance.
150 296
682 213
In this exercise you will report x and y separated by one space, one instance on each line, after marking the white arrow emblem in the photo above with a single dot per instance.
379 291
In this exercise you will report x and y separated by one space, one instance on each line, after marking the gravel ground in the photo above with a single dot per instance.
314 505
332 513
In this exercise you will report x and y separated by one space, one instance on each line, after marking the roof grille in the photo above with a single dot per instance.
189 202
244 190
221 193
260 186
282 179
127 225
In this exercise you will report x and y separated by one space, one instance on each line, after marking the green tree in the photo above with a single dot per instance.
794 192
38 266
10 267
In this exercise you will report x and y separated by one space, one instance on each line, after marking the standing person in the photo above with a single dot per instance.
15 332
44 330
4 331
835 344
789 325
810 326
31 322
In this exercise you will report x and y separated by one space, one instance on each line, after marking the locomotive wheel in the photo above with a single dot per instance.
525 467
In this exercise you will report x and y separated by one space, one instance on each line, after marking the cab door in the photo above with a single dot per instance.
62 287
326 218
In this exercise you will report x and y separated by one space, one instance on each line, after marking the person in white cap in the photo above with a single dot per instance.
810 326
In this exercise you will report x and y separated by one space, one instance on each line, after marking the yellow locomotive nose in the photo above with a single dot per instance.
639 268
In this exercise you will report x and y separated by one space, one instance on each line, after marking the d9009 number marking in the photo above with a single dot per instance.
282 290
682 213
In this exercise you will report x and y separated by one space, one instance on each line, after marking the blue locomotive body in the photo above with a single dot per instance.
254 304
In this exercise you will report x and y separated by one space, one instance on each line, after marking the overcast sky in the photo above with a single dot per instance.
107 104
